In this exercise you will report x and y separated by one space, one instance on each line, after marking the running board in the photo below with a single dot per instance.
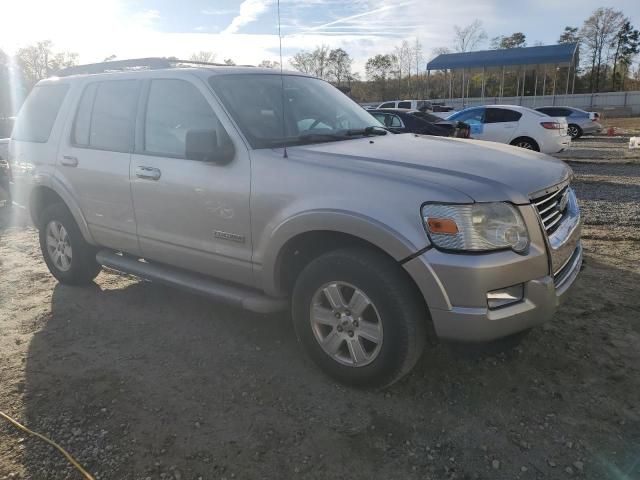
246 298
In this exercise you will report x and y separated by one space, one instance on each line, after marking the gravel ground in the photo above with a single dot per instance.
140 381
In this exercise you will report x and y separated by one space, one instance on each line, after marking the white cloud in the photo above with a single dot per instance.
218 11
249 12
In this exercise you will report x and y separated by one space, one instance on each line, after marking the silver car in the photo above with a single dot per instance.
271 192
579 121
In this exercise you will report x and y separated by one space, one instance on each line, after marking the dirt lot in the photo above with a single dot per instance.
143 382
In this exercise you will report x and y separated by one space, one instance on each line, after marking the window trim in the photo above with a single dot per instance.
141 120
132 126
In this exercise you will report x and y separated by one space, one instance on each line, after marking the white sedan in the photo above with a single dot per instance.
519 126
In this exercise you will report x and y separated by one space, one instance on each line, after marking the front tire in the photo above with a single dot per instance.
359 317
69 257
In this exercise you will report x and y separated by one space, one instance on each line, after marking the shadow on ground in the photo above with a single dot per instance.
139 380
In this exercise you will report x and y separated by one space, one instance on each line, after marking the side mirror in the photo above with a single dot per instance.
204 146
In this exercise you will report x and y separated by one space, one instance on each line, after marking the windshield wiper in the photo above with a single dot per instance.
367 131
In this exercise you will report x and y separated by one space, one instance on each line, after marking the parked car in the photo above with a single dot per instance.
421 105
5 173
579 122
266 190
413 121
519 126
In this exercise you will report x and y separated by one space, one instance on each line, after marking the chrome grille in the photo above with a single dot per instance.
552 208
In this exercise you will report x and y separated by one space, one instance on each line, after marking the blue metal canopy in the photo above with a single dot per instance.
561 54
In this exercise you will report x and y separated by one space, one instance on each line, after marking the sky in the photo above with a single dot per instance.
247 30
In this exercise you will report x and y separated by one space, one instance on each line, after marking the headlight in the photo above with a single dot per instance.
476 227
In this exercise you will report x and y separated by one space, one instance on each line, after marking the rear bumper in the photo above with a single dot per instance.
592 128
556 144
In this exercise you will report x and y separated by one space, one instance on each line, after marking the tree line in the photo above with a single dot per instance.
608 45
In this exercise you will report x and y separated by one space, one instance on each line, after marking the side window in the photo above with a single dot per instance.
501 115
388 105
472 117
39 113
404 105
173 107
395 122
82 122
111 126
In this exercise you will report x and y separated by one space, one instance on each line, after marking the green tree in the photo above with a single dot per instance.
515 40
627 46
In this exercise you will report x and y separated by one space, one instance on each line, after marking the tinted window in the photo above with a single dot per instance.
500 115
82 123
39 112
404 105
388 105
395 122
173 107
547 111
112 118
474 116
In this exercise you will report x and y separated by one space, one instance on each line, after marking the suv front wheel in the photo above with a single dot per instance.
359 317
69 257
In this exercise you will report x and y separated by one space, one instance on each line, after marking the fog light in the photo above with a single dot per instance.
505 296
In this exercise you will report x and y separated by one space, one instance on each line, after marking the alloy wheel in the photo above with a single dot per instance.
59 246
346 324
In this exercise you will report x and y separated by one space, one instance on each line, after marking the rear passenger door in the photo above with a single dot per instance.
94 158
500 124
191 214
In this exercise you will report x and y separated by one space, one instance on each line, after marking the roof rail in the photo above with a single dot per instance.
150 63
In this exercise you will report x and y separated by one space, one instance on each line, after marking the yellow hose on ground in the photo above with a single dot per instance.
72 460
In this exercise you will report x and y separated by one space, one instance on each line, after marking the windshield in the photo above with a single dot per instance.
314 110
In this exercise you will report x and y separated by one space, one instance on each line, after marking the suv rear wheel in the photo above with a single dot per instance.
69 257
359 317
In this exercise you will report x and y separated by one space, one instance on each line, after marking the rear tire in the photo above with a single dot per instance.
69 257
359 317
574 131
526 143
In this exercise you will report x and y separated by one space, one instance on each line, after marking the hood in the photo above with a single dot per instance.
483 171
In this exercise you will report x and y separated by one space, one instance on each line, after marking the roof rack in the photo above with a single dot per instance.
150 63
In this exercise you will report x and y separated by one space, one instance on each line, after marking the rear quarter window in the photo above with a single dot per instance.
39 112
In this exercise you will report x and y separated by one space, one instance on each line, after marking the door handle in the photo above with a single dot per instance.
69 161
148 173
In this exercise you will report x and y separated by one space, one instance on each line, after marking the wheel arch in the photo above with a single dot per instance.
528 138
295 242
42 196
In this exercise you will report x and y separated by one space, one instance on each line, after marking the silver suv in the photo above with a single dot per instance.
270 192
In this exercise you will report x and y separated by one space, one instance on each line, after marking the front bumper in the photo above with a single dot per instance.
592 128
541 298
455 286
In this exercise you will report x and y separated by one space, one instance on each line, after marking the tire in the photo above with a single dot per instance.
526 143
395 315
73 260
574 131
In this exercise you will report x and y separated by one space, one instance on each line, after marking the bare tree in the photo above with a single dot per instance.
269 64
39 61
229 61
598 33
416 54
315 63
203 56
340 65
469 37
515 40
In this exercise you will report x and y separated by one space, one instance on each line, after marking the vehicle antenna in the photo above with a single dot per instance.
284 129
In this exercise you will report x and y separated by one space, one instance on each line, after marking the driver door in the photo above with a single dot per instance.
191 214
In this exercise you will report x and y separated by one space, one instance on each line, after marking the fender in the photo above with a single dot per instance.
368 229
54 183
